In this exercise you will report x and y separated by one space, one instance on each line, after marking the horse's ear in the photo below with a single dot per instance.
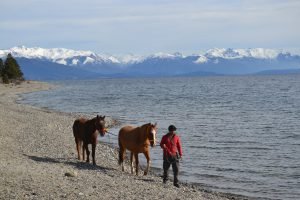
97 116
104 117
155 124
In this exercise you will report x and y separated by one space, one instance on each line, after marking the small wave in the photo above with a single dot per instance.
268 127
210 176
229 147
197 136
292 136
234 142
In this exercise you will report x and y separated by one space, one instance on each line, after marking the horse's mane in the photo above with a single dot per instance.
90 124
143 132
91 121
143 126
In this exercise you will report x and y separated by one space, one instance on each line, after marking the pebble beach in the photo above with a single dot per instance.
38 159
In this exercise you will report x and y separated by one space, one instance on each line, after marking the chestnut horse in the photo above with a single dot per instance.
136 140
85 132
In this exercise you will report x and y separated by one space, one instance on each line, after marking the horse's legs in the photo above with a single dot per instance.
86 147
131 162
93 153
77 141
136 157
122 151
147 155
83 150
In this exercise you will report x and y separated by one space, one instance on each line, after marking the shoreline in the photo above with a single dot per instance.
38 152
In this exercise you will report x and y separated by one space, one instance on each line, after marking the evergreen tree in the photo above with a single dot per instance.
5 79
1 67
12 68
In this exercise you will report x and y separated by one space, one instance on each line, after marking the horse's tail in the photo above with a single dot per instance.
75 127
121 158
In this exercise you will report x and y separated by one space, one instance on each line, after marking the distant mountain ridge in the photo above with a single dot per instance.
60 63
278 72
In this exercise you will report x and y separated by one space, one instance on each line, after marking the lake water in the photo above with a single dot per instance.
240 134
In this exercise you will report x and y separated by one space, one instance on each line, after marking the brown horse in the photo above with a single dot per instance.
136 140
85 132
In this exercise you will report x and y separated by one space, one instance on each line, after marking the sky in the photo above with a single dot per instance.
144 27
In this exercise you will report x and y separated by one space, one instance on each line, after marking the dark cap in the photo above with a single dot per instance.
172 128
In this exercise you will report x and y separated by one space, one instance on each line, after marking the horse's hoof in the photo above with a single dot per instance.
145 173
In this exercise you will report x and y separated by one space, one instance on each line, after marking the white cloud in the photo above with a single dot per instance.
151 26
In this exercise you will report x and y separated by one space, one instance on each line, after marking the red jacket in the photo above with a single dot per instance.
171 145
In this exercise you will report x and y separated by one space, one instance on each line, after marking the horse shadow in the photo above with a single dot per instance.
76 164
149 180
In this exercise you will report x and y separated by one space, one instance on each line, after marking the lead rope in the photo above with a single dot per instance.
110 147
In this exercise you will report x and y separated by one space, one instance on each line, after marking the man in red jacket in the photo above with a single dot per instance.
171 145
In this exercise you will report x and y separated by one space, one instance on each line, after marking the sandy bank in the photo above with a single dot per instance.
37 149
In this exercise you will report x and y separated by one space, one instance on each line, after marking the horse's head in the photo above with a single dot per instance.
100 124
152 134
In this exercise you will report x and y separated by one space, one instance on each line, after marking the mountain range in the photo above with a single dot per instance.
59 63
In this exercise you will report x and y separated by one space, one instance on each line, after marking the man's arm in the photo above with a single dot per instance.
179 147
163 144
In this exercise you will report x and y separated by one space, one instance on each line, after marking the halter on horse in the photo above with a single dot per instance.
137 140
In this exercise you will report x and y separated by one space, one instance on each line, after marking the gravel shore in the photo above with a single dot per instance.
38 159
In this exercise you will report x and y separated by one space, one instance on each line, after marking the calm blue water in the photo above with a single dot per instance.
240 135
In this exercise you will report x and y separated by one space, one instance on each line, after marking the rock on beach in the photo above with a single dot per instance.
38 159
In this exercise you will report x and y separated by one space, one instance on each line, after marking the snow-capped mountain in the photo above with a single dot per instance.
72 57
60 55
84 64
229 53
